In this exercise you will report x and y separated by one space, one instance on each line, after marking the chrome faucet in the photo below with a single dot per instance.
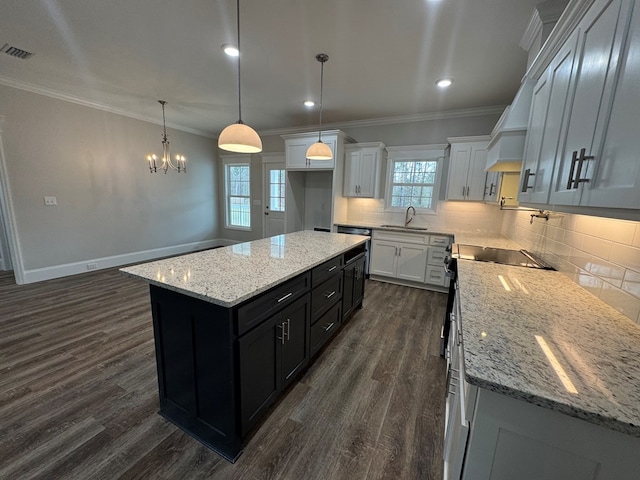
407 219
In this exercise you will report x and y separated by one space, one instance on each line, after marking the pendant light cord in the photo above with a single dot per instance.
321 88
239 53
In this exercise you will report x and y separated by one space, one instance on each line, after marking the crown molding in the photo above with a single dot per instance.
47 92
419 117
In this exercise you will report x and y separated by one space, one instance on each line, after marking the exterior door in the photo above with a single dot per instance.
274 176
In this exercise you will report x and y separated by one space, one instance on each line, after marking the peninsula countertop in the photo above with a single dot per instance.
512 315
230 275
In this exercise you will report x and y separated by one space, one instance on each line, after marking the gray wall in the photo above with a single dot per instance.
94 163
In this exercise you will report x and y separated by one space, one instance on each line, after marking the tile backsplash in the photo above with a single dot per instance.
602 255
460 216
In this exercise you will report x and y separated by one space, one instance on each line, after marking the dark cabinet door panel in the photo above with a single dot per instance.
295 349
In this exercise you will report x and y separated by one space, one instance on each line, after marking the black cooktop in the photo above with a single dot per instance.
520 258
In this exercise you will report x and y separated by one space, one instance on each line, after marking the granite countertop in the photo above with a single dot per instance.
230 275
510 314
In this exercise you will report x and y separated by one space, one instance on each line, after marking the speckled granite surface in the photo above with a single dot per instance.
597 347
230 275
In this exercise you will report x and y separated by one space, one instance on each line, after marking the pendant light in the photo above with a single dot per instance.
239 137
320 150
180 164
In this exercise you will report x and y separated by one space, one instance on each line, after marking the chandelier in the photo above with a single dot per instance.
180 160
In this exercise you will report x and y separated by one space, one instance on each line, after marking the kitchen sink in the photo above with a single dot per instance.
402 227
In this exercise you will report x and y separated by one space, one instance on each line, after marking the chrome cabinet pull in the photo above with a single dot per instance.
333 268
285 297
525 180
574 160
328 327
281 337
288 322
491 189
581 159
463 188
328 296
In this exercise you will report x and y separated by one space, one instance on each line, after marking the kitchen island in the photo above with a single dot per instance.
234 326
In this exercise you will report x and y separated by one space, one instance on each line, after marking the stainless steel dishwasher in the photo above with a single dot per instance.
366 231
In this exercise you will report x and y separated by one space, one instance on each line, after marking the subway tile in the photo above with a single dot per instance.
580 259
619 231
609 272
596 246
586 224
627 256
620 300
631 283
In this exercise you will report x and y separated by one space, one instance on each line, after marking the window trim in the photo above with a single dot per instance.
417 153
235 160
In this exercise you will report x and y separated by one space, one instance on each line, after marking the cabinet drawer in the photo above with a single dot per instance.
435 256
258 309
325 270
390 236
325 295
436 275
325 327
439 241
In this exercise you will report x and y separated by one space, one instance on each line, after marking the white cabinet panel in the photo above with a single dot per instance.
467 178
296 153
383 258
412 262
364 167
548 112
601 34
616 179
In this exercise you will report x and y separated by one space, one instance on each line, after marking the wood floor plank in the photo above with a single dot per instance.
78 392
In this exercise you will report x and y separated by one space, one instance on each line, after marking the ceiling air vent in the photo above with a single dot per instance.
15 52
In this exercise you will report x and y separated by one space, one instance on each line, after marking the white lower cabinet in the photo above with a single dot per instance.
415 259
510 438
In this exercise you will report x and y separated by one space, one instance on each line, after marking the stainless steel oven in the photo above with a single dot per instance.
359 231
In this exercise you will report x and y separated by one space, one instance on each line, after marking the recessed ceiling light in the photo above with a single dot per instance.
444 82
309 103
230 49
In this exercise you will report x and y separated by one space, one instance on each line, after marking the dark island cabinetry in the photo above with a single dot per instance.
221 368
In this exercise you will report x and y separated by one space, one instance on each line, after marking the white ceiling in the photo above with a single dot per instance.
384 57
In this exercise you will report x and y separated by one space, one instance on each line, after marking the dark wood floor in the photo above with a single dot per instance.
78 392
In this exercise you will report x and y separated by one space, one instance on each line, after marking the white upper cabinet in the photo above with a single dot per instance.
548 110
601 53
467 162
364 167
615 181
296 146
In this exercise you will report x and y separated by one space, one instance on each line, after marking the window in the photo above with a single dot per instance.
413 179
276 190
237 193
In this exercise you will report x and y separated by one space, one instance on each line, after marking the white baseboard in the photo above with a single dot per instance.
57 271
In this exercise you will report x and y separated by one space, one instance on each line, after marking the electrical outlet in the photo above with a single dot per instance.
92 266
50 201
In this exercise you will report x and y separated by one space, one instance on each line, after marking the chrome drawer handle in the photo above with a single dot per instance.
285 297
330 295
333 268
328 327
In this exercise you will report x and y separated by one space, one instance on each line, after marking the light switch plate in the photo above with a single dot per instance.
50 201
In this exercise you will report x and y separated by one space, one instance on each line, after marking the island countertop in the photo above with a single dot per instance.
537 336
230 275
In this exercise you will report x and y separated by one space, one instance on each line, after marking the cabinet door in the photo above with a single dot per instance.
367 173
550 110
296 154
412 262
324 164
352 165
383 258
600 43
259 357
293 324
458 170
476 177
616 181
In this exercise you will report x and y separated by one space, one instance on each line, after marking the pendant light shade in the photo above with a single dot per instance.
239 137
320 150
